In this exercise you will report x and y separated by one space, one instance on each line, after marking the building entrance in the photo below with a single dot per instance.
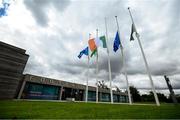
72 93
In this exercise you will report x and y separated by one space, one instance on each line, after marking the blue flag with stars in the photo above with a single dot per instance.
85 52
116 42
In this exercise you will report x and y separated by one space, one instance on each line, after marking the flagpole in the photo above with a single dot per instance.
145 61
87 76
124 66
109 64
97 70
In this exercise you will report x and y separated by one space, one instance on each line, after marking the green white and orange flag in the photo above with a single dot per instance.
92 46
100 40
103 39
94 52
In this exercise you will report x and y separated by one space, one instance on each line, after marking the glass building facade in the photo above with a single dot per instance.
52 92
40 91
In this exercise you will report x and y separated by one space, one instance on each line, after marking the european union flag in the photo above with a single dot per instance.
116 42
85 51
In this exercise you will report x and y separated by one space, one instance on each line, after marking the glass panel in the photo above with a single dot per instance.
122 98
40 91
91 96
105 97
115 98
34 91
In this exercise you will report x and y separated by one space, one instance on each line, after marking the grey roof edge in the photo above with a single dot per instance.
12 47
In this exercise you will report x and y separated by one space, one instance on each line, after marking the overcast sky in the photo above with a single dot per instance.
54 32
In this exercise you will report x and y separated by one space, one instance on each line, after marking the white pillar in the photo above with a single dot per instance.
124 65
97 70
148 71
86 98
109 65
60 93
21 90
145 61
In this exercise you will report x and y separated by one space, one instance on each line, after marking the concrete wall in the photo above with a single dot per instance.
12 64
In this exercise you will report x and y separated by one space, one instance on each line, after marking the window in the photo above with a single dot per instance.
40 91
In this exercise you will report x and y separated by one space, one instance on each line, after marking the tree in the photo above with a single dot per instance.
135 94
101 84
162 97
178 98
117 89
150 97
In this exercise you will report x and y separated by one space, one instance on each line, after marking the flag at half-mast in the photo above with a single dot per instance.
100 40
84 52
103 40
92 46
133 30
117 42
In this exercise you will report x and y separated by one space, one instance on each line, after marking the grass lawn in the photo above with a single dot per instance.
45 109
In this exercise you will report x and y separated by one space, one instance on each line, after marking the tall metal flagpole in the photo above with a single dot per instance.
145 61
87 76
124 65
97 70
109 64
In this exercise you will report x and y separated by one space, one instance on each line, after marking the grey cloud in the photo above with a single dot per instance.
156 67
116 65
164 68
35 67
135 67
175 81
40 8
175 14
57 53
161 48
